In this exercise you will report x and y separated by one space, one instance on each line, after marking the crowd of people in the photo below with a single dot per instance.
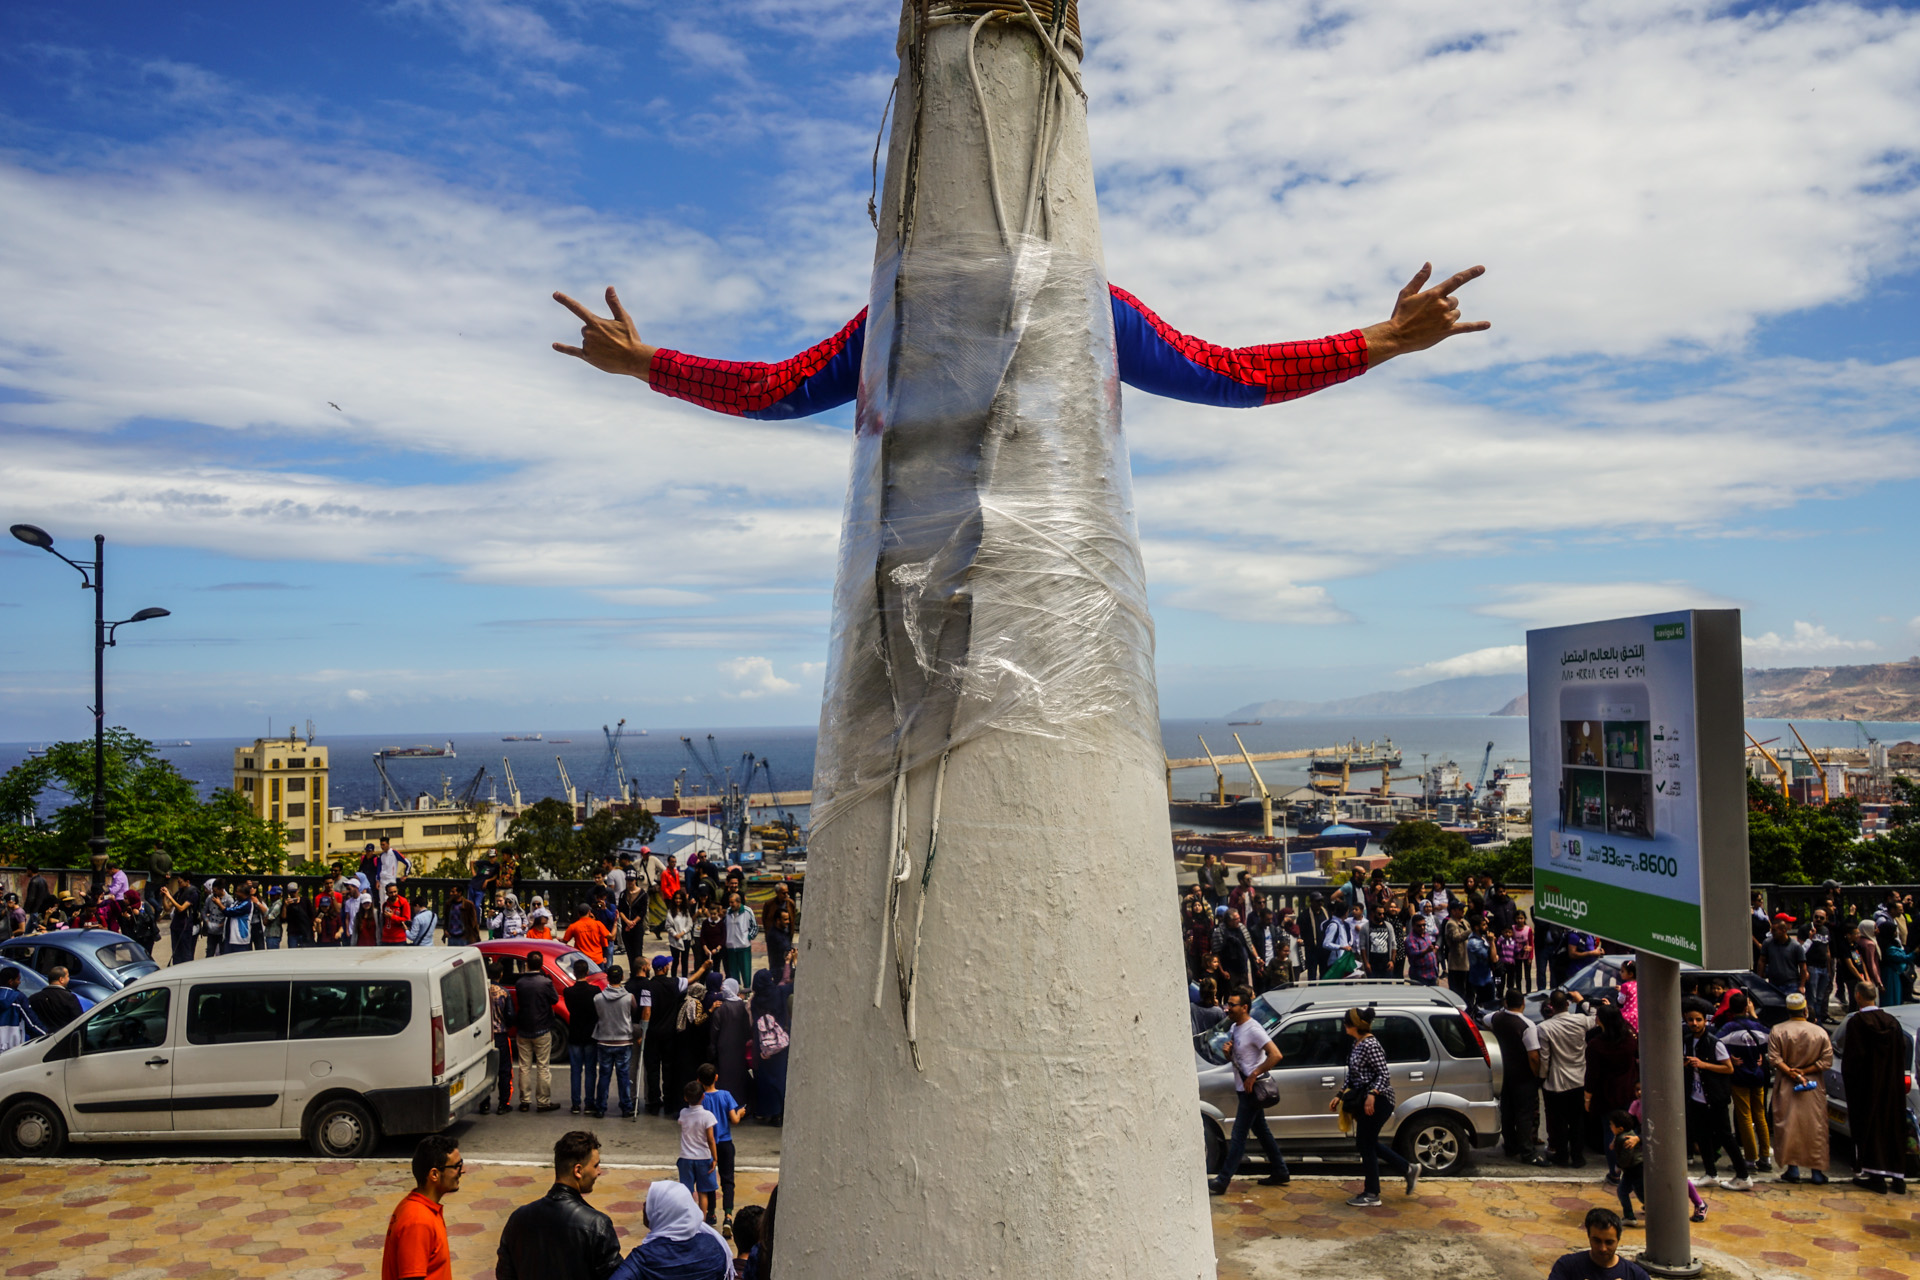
561 1236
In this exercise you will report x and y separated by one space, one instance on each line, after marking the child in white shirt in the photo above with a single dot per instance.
699 1155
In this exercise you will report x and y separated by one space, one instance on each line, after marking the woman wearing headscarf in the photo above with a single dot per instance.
679 1244
1613 1077
772 1027
690 1025
1367 1096
510 921
732 1027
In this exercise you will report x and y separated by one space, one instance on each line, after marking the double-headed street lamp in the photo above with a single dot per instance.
103 638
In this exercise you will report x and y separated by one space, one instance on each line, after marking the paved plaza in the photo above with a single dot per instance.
310 1220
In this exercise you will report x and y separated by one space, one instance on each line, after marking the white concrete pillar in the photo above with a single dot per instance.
991 648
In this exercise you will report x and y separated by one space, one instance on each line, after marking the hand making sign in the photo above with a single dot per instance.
1639 783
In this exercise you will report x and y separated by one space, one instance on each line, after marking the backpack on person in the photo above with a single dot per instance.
770 1037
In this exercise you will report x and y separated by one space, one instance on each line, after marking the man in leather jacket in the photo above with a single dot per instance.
560 1236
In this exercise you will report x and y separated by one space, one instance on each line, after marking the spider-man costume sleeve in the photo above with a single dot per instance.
1153 356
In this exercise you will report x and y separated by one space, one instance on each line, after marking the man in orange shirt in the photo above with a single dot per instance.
416 1247
394 919
589 935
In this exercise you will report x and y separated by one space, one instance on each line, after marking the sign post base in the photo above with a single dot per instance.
1663 1119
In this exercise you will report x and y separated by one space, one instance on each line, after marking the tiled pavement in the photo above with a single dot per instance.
306 1220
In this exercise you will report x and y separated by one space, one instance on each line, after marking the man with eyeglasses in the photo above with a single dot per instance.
416 1247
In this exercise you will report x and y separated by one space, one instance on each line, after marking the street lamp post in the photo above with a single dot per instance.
103 639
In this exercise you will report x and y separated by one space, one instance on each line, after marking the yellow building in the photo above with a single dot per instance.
286 781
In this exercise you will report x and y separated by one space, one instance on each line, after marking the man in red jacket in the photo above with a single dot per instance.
394 917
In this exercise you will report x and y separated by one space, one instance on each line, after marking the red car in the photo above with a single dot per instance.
557 960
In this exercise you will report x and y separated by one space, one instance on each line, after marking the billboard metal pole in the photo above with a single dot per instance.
1663 1106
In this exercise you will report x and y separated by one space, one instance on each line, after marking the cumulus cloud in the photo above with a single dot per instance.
1637 177
1556 604
1746 164
1497 660
755 678
1807 640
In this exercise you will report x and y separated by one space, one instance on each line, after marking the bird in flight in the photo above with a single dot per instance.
335 407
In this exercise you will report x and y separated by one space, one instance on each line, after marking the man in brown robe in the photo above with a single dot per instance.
1799 1053
1873 1061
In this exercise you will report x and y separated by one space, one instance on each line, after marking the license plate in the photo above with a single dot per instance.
457 1086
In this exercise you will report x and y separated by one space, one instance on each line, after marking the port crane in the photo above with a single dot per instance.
1779 770
1819 765
389 797
566 785
1480 783
613 770
471 791
1266 797
513 788
1219 778
728 797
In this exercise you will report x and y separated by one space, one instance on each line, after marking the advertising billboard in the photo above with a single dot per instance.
1639 783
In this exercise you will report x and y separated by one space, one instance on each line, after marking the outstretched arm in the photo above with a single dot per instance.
1153 356
824 376
1158 358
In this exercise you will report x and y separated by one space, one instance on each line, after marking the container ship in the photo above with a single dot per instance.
427 752
522 737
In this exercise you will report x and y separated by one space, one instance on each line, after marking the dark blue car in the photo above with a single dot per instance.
98 962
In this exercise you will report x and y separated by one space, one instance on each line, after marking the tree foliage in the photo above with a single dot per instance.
1793 843
1423 851
545 840
149 802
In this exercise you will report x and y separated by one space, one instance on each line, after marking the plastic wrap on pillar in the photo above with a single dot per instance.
989 571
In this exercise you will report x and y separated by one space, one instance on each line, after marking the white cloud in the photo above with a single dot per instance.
1808 640
754 678
1635 176
1648 182
359 696
1497 660
1557 604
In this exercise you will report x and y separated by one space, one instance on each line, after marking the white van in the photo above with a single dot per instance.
334 1045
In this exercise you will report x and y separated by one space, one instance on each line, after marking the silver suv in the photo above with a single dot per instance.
1446 1074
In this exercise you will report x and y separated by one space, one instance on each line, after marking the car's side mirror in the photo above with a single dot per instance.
67 1048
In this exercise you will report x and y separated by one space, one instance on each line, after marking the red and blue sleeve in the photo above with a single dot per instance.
1153 357
824 376
1157 358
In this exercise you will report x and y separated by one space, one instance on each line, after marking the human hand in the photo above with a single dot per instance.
1369 1104
609 345
1422 319
1335 1104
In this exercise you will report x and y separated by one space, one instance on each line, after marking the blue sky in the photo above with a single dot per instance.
216 219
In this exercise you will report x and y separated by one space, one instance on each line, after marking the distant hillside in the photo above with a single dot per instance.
1518 707
1460 696
1874 691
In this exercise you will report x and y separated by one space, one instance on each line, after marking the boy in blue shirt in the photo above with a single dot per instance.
727 1112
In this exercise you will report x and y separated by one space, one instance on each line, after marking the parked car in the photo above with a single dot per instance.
31 982
98 962
1603 977
1446 1075
1908 1016
333 1046
557 962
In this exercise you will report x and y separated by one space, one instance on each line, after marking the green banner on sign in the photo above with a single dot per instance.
1638 920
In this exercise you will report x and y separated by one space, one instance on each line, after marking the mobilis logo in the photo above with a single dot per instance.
1553 900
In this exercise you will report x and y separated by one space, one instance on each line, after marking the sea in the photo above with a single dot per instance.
700 758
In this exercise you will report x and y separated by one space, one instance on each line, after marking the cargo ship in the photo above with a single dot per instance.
428 752
521 737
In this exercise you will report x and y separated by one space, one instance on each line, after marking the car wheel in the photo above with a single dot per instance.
1437 1142
343 1130
33 1129
1216 1146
